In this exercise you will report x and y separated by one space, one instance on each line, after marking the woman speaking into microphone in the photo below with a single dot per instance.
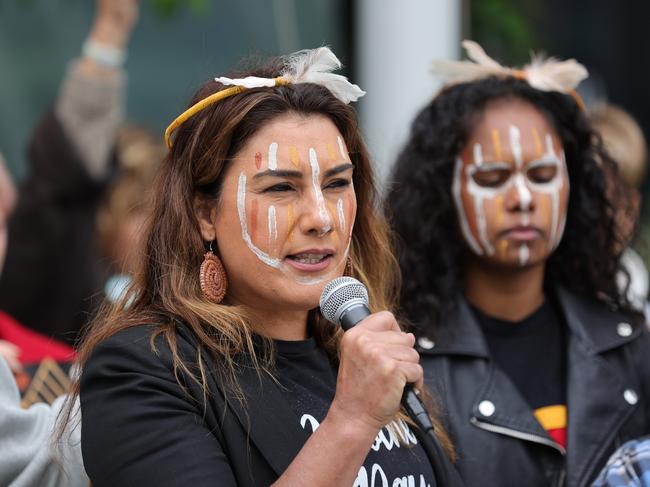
217 368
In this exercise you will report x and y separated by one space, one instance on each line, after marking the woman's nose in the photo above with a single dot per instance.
520 197
314 218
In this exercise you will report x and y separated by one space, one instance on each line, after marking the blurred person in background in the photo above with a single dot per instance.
125 208
510 248
22 348
55 273
28 458
624 141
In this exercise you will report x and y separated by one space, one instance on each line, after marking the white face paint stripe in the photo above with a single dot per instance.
525 197
320 201
341 148
515 144
341 213
241 210
273 226
524 253
557 236
549 145
478 155
464 225
482 225
273 156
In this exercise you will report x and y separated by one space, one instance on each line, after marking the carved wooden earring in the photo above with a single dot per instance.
212 276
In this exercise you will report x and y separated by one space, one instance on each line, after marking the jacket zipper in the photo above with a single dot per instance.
523 436
517 434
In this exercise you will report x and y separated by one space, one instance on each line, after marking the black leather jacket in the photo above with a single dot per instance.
499 441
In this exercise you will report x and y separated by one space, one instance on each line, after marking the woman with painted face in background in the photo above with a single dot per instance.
509 256
216 368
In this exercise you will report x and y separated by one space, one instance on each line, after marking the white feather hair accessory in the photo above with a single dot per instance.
307 66
545 74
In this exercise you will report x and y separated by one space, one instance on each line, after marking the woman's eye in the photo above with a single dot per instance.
491 178
541 174
278 188
338 183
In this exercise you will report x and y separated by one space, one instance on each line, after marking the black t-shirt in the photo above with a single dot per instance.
532 352
309 381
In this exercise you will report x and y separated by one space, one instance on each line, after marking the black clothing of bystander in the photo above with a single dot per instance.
497 437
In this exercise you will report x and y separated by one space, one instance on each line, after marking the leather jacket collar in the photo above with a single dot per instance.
598 328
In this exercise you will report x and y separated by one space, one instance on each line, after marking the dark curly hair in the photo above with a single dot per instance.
425 220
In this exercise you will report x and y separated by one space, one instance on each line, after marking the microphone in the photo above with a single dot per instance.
344 301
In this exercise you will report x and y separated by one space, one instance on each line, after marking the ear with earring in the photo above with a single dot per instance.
212 277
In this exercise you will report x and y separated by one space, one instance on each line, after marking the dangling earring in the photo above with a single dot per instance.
348 267
212 277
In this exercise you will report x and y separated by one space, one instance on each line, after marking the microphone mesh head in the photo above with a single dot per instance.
338 293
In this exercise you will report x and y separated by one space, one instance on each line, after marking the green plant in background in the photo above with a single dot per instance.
505 27
169 8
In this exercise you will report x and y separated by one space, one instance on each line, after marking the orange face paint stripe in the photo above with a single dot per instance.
538 142
498 202
503 247
352 217
331 153
293 156
258 160
254 211
332 211
496 142
290 223
545 207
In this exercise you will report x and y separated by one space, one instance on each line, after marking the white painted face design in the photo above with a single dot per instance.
296 205
511 185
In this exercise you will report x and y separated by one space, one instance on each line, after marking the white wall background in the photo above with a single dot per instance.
396 42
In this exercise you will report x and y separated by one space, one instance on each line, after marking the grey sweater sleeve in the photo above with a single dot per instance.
90 109
29 456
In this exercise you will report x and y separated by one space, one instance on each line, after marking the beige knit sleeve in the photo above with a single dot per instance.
90 108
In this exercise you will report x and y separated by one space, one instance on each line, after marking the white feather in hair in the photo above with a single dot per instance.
543 74
316 66
308 66
553 75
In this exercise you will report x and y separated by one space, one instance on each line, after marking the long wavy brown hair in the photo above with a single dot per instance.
165 290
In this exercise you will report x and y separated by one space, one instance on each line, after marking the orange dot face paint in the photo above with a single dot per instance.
258 160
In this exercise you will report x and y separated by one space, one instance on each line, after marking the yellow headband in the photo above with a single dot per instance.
307 66
210 100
